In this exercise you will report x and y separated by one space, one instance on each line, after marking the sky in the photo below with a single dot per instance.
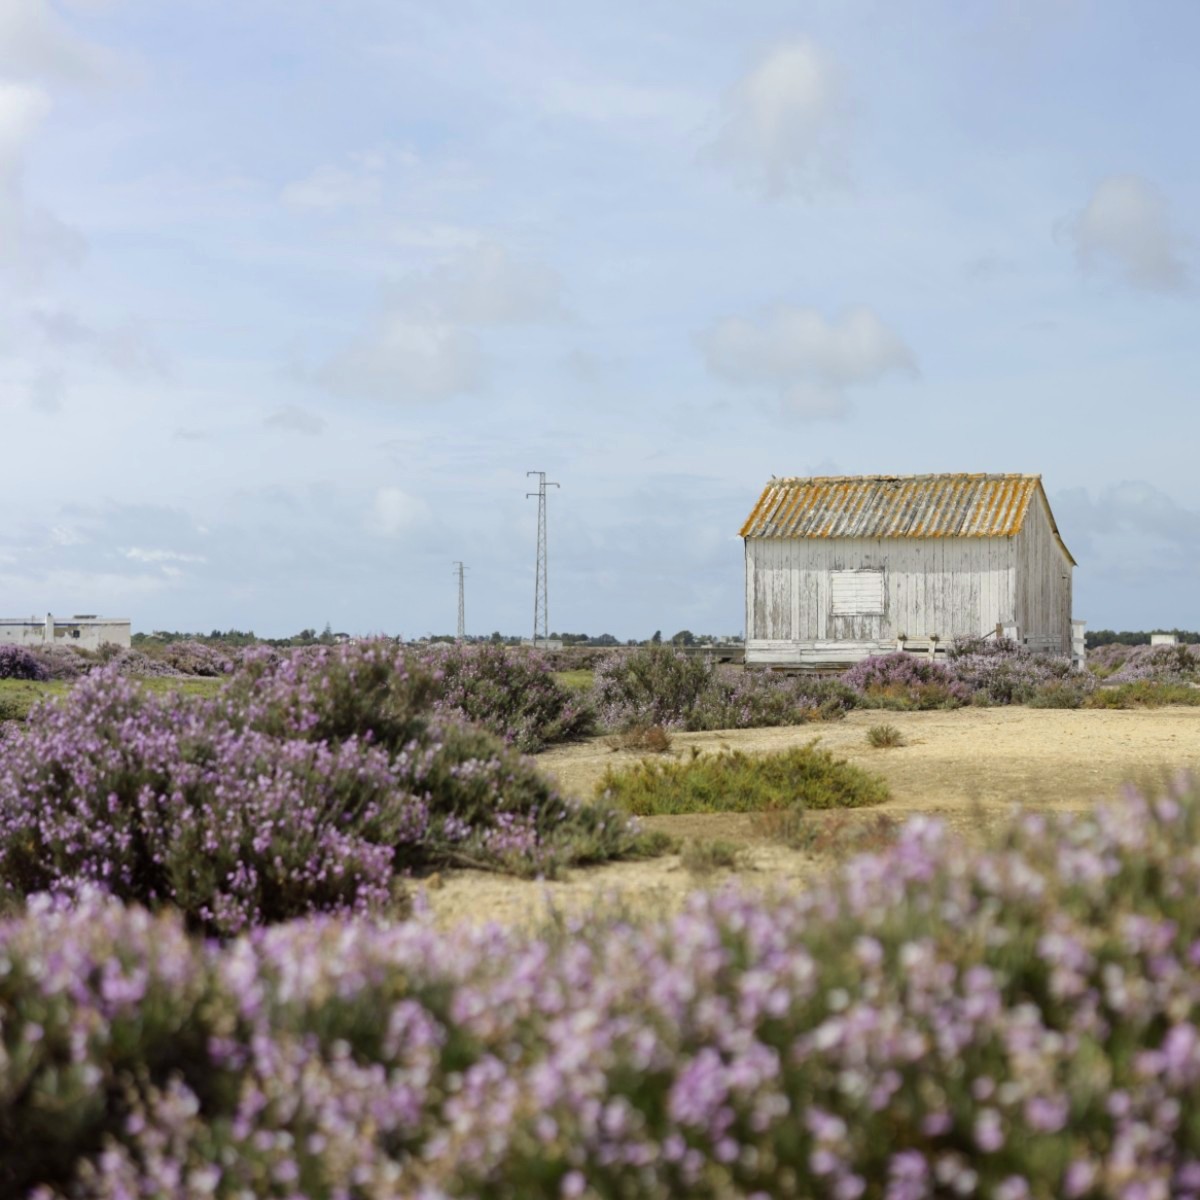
294 293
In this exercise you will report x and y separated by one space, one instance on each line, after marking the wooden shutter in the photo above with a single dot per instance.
857 593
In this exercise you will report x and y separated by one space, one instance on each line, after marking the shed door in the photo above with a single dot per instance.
857 600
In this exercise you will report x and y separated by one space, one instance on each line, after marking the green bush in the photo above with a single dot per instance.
884 737
1143 694
705 856
733 781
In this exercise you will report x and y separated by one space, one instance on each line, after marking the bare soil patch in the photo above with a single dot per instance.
969 767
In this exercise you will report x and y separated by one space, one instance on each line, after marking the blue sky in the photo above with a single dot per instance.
292 295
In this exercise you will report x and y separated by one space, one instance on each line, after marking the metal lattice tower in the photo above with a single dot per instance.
540 603
462 610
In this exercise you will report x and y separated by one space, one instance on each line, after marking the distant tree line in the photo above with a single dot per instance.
1107 637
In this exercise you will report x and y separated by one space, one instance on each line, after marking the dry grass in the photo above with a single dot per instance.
884 737
648 739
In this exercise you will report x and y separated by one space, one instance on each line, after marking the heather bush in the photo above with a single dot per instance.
805 777
652 685
159 800
509 690
1016 676
62 662
196 658
308 784
17 663
758 699
656 685
903 680
935 1019
1150 664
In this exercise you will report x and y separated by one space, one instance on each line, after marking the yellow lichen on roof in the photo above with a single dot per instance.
886 506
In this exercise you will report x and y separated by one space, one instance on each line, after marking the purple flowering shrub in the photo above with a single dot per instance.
1116 663
509 690
658 686
161 801
936 1019
61 661
308 784
196 658
17 663
652 685
1018 677
903 680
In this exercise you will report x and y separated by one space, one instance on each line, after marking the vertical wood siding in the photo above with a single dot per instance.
952 587
1043 597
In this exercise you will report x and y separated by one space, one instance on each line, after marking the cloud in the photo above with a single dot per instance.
809 360
332 187
30 237
786 123
36 42
126 349
158 557
1126 225
424 345
406 359
486 285
394 511
294 419
47 390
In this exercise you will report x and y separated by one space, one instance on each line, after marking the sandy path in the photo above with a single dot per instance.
969 767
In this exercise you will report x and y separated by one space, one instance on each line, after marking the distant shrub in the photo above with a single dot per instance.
62 662
1143 694
1016 676
657 685
1147 664
905 681
705 856
732 781
651 739
1063 693
508 690
17 663
884 737
758 699
652 685
196 658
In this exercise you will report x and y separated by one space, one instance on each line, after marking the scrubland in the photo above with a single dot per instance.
316 924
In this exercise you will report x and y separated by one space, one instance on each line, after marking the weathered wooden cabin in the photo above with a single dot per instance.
840 567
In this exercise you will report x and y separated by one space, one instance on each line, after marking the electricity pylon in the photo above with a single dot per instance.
462 610
540 602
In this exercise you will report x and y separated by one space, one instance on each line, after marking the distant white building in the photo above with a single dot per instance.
85 632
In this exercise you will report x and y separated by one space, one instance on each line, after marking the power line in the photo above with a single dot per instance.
540 602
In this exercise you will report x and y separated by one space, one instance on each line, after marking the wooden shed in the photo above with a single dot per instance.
840 567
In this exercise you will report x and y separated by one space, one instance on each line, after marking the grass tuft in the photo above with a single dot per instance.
653 739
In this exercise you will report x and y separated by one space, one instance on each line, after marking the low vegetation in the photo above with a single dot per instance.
805 777
1144 694
884 737
311 782
705 856
938 1018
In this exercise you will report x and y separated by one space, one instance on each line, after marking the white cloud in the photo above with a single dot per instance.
30 238
1127 225
424 345
158 557
486 285
786 123
34 41
406 359
294 419
809 360
331 187
394 512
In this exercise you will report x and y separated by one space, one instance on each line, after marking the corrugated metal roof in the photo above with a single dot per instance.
879 506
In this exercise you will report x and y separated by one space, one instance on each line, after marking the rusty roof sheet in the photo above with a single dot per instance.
888 506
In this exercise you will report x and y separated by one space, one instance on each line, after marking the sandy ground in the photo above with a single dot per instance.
969 767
